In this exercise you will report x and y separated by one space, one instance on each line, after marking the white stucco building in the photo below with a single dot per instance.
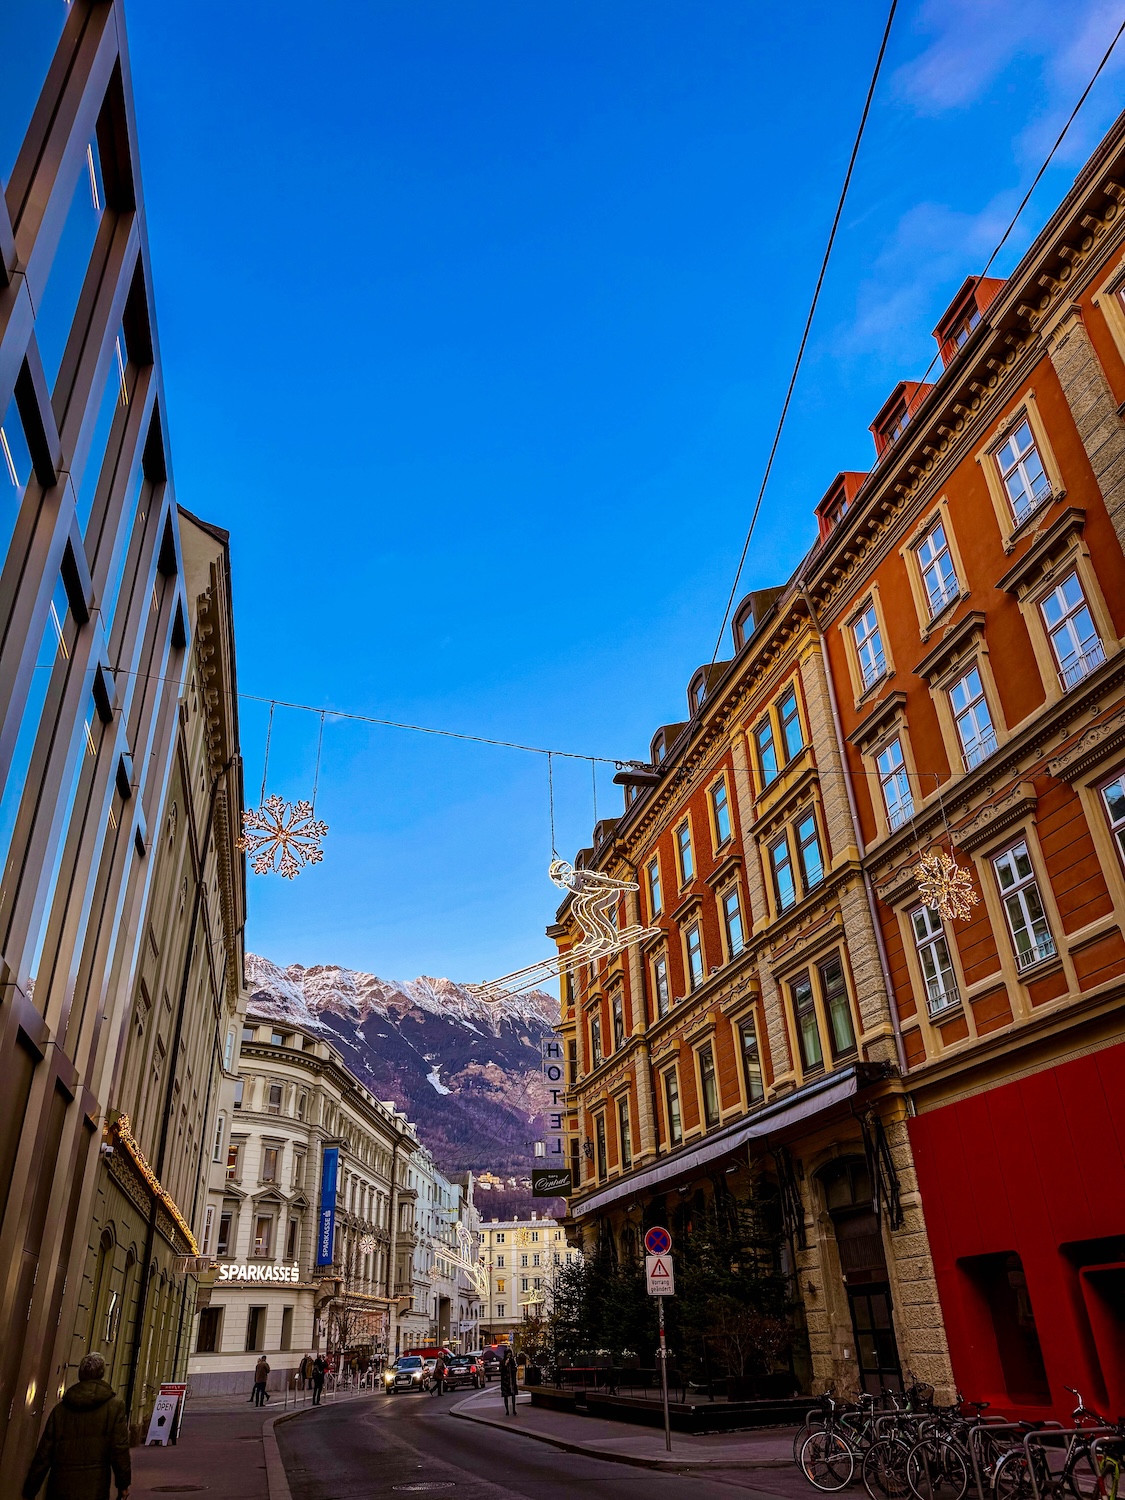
520 1258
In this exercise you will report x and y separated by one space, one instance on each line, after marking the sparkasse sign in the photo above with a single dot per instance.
248 1273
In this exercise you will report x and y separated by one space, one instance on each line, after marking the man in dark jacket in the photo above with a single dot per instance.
261 1375
86 1436
318 1372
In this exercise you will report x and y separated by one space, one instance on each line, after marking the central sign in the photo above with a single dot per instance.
250 1272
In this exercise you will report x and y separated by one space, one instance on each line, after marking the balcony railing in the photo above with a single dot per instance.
900 813
941 995
1080 666
978 749
944 595
872 671
1031 502
1036 953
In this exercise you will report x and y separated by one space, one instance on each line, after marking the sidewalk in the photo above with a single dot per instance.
224 1448
621 1442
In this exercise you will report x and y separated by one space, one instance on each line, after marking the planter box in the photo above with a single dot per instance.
687 1416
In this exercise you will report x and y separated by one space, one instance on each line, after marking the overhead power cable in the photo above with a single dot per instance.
808 325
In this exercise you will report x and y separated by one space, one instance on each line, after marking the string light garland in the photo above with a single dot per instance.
596 899
945 886
123 1136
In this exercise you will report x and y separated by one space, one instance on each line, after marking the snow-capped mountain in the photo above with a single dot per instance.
466 1071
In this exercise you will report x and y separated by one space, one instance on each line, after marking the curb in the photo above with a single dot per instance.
632 1459
276 1481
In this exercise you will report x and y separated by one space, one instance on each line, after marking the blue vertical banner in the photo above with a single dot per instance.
326 1233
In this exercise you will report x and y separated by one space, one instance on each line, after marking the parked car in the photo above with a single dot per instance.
464 1369
408 1373
490 1360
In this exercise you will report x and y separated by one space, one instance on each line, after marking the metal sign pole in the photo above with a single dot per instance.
664 1374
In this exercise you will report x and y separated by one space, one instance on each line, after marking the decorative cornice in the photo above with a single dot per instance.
1039 556
994 817
955 640
1089 749
872 728
729 867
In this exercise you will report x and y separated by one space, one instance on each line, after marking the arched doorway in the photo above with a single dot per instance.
846 1185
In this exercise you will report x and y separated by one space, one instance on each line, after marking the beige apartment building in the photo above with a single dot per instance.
279 1287
521 1258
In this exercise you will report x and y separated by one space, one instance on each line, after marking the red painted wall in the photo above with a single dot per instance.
1034 1168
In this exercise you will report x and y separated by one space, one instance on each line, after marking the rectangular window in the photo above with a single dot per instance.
974 722
263 1235
234 1163
1022 472
249 1033
721 811
618 1022
672 1098
255 1329
1075 642
695 956
239 1088
625 1132
222 1244
1027 921
767 752
837 1008
499 1309
781 863
791 734
655 901
273 1106
572 1062
732 921
709 1086
269 1163
278 1039
210 1323
751 1062
500 1266
660 985
933 957
939 576
895 783
208 1228
683 851
595 1040
808 849
286 1328
1113 796
15 471
869 647
808 1029
298 1169
217 1148
291 1240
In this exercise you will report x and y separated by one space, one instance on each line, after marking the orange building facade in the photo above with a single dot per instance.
930 1100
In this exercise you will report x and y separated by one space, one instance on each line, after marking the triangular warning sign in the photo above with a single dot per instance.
659 1270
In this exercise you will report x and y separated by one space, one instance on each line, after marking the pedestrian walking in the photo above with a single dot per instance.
437 1383
318 1371
85 1440
509 1381
259 1395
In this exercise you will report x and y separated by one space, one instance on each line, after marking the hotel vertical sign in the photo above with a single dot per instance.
551 1179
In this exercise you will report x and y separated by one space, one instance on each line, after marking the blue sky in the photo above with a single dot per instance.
475 321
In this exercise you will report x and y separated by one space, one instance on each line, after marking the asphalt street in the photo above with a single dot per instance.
397 1445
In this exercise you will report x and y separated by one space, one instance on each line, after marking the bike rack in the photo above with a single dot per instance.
1056 1432
989 1424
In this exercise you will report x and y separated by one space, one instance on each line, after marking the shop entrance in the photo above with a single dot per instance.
875 1347
847 1196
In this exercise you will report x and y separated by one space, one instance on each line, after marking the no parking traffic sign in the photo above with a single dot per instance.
658 1241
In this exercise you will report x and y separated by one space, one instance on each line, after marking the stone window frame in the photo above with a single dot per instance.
1108 300
701 1040
886 722
871 596
745 1011
903 901
686 821
1060 550
650 860
786 763
671 1069
1023 832
717 844
937 513
653 955
965 647
693 921
809 960
1025 406
622 1094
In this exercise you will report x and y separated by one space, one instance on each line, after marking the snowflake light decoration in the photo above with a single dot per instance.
367 1244
282 836
944 886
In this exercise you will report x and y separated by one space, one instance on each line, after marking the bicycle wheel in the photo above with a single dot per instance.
936 1470
826 1461
802 1435
1011 1479
884 1469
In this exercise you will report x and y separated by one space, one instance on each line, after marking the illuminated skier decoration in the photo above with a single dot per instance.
595 904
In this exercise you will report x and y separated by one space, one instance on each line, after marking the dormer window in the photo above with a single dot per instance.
966 323
697 692
896 413
965 313
743 627
658 748
896 426
838 501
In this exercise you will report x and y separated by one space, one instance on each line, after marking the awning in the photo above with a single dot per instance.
815 1098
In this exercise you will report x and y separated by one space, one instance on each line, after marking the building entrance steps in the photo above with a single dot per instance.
763 1448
